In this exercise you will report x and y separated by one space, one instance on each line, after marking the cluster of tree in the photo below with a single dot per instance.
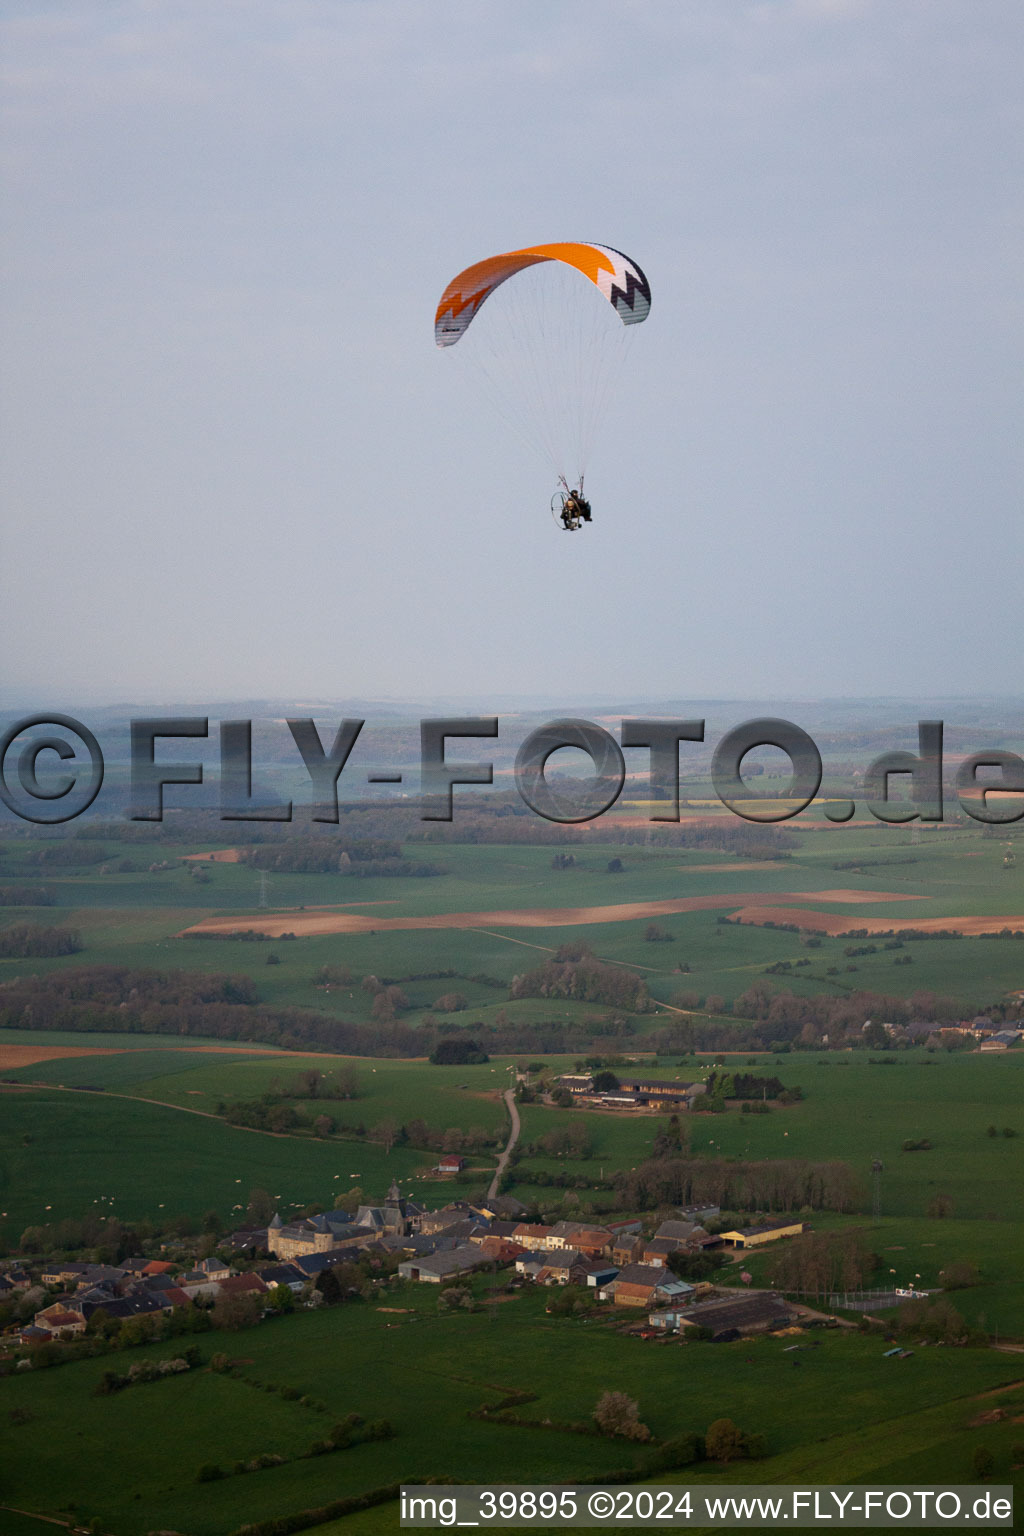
859 864
584 978
616 1414
109 1239
341 856
29 941
938 1322
474 1139
786 1016
26 896
311 1083
718 833
187 1003
457 1298
960 1275
561 1180
64 853
696 1266
817 1263
458 1051
725 1441
147 1370
746 1085
785 1184
568 1141
672 1138
502 824
388 1001
267 1113
451 1002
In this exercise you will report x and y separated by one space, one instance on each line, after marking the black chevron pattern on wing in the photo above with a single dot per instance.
635 284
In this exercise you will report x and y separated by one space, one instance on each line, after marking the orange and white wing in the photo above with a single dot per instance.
616 275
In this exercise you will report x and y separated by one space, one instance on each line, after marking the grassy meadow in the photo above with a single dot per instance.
134 1456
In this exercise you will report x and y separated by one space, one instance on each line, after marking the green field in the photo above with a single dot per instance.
133 1458
132 918
65 1155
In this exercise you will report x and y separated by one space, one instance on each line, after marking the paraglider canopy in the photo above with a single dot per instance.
619 279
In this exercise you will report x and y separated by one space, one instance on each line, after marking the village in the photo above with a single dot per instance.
627 1265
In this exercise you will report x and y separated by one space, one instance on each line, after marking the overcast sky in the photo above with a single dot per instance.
234 462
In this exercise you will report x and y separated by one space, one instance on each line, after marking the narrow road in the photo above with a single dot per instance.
510 1104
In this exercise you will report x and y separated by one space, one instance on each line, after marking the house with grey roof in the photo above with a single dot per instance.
443 1266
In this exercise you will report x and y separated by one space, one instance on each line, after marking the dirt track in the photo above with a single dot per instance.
306 923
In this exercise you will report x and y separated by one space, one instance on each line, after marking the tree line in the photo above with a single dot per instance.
786 1184
30 941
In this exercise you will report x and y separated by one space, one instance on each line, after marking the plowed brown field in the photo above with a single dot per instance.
307 923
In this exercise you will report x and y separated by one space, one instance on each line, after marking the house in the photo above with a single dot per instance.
658 1250
636 1285
174 1296
529 1262
60 1322
737 1316
576 1234
679 1231
498 1250
667 1318
61 1273
313 1264
443 1266
502 1208
576 1083
633 1226
449 1164
503 1229
760 1236
415 1242
1001 1040
598 1276
531 1234
137 1304
699 1213
83 1274
251 1284
627 1249
559 1266
446 1216
214 1269
468 1230
674 1290
283 1274
654 1093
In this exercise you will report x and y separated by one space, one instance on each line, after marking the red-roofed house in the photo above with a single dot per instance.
61 1321
240 1285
